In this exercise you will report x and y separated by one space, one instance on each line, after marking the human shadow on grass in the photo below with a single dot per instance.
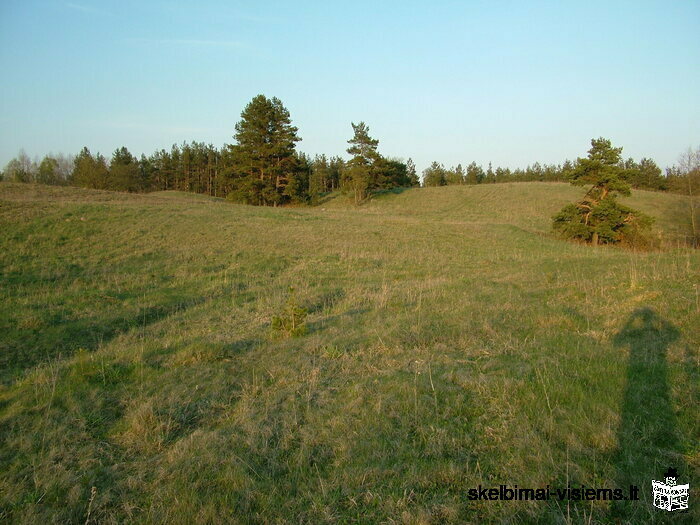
648 438
63 337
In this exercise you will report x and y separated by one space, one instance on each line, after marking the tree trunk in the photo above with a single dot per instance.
594 240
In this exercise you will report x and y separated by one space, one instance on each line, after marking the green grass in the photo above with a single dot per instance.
451 342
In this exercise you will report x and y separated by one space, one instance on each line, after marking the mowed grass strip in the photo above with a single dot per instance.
451 342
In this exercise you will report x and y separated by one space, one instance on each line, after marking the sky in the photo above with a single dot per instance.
510 83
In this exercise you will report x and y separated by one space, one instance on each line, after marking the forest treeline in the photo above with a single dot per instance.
264 167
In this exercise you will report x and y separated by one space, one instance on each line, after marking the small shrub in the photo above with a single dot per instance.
292 320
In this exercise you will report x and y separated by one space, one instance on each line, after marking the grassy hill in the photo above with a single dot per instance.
452 343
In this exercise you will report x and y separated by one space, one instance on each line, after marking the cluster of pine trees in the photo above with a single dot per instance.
263 167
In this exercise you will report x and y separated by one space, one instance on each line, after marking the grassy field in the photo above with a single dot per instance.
452 342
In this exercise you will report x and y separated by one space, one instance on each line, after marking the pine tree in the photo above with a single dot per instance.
335 166
297 187
475 174
360 176
90 171
263 159
390 173
645 174
413 179
490 175
124 171
146 173
602 169
435 175
598 217
318 178
455 175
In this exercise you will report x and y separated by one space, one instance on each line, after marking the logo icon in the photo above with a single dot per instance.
669 496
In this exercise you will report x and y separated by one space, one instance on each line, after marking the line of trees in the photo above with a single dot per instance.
644 174
263 167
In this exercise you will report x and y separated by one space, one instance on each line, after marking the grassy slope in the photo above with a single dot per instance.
452 343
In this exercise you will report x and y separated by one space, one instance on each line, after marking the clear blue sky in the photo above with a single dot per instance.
507 82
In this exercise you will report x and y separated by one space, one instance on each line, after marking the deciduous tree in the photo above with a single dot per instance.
20 169
48 171
690 170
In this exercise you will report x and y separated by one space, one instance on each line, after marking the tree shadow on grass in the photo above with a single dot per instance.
648 440
325 198
62 337
389 191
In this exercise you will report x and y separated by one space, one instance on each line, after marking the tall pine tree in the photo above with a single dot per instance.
360 173
263 160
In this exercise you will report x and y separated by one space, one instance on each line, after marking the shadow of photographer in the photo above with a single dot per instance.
648 441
